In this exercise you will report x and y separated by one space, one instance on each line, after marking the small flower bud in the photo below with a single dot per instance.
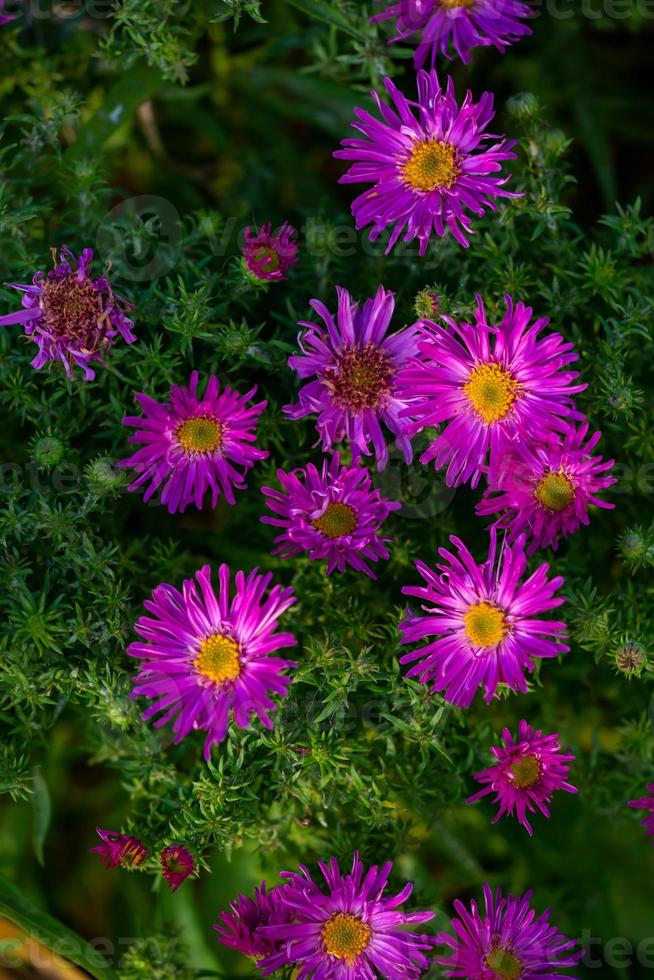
48 451
523 106
103 477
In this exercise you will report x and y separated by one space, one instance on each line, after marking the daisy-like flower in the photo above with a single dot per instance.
243 927
5 18
176 865
119 850
494 385
71 317
506 941
486 622
459 24
268 256
193 444
546 490
351 932
354 362
527 772
332 513
429 162
206 656
646 803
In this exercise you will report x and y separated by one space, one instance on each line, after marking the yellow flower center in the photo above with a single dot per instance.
505 966
219 658
455 4
555 491
345 936
492 391
200 434
338 519
132 855
525 772
432 163
485 625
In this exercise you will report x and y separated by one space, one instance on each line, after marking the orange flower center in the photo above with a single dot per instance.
345 936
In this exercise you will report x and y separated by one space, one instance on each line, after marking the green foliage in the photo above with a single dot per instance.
227 111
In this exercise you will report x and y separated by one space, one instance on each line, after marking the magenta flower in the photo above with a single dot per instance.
507 941
194 444
527 772
206 656
354 364
428 166
493 384
332 513
484 620
545 490
459 24
119 850
71 317
5 18
646 803
243 928
350 933
176 865
269 256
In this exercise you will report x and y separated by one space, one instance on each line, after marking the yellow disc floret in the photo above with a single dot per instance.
555 492
345 936
525 772
219 658
491 391
432 163
485 625
200 434
338 519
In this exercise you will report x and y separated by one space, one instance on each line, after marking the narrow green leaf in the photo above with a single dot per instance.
42 810
52 933
321 10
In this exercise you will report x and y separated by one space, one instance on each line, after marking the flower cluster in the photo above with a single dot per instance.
346 929
125 851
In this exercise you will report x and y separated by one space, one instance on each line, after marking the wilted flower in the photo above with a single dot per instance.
119 850
176 865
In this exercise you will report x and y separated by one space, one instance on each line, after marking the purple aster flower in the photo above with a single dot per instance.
461 24
546 490
206 656
332 513
507 941
243 928
119 850
193 444
351 933
5 18
354 364
71 317
526 774
427 167
484 620
176 865
269 256
493 384
646 803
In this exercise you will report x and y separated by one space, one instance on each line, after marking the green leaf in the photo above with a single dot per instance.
320 10
42 812
52 933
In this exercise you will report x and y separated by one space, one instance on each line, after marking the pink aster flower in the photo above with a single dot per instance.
332 513
459 24
206 656
428 161
506 941
193 444
349 932
494 385
5 18
354 362
176 865
71 317
527 772
119 850
546 490
269 256
646 803
243 928
486 622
